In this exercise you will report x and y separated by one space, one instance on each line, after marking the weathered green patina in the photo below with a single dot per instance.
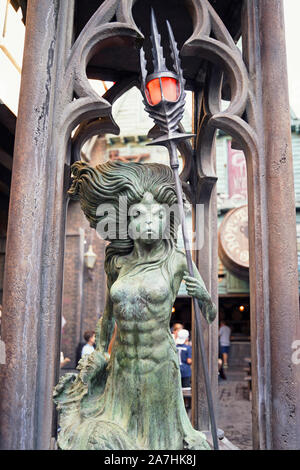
132 399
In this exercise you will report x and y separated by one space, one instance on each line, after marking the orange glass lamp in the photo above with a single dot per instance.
162 88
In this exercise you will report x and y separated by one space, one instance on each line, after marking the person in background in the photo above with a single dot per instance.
88 348
185 357
224 338
175 329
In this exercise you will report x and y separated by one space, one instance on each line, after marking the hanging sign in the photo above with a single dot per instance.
234 242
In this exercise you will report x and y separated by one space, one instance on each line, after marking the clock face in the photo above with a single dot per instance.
234 239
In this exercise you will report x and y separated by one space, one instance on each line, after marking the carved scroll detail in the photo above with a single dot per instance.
101 126
89 109
212 42
221 51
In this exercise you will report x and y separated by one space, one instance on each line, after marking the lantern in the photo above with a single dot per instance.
90 258
163 90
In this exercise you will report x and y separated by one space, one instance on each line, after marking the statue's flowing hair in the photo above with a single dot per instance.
106 183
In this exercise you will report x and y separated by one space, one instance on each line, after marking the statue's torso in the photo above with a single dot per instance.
142 304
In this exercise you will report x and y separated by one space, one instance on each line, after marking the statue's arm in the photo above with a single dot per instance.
195 287
107 325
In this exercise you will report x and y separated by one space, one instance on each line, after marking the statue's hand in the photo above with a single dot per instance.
195 288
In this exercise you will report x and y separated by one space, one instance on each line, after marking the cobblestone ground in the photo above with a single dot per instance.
234 410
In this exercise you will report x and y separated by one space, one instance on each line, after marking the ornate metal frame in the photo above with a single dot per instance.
212 42
93 113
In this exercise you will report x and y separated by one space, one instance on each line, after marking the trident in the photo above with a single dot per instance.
164 99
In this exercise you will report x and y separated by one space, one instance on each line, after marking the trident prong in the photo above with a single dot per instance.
143 67
159 62
174 51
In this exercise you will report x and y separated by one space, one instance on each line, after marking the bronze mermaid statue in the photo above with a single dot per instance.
132 398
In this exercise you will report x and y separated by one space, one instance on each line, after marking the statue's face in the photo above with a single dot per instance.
148 220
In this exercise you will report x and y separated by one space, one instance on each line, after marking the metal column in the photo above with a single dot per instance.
35 238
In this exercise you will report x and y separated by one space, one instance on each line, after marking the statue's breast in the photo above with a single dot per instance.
140 291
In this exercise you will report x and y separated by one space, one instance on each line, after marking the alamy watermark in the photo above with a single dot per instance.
149 220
